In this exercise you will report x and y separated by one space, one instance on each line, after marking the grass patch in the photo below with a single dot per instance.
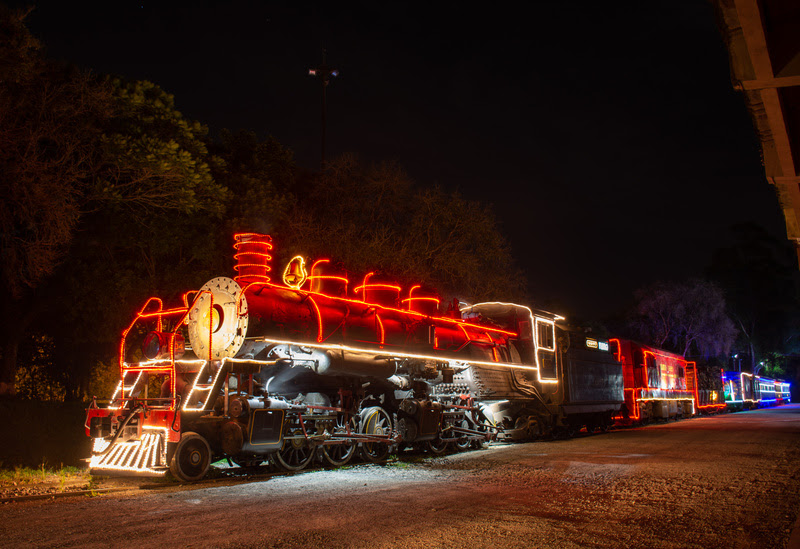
60 477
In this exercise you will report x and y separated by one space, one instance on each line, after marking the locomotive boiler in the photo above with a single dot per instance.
318 367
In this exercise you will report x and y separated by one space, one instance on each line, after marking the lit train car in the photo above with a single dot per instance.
309 369
708 397
580 385
656 384
763 392
745 391
783 392
733 390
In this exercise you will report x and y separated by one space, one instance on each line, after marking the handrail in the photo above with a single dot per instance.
146 313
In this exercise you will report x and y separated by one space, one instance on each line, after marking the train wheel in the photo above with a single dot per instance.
375 421
296 453
463 442
339 454
436 446
192 458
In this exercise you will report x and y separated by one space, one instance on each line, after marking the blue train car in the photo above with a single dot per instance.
745 391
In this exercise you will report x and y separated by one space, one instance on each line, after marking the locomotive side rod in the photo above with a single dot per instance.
466 431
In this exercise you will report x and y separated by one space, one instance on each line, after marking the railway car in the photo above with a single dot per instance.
783 392
316 366
658 384
708 394
745 391
578 384
733 390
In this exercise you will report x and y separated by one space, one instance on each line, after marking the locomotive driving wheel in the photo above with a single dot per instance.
296 452
437 446
463 442
339 454
192 458
375 421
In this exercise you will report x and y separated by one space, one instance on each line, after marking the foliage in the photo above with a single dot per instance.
762 285
155 159
103 380
260 176
112 195
373 218
684 317
774 365
151 230
48 128
108 192
29 475
38 378
50 119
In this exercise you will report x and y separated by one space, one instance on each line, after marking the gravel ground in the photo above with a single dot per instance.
725 481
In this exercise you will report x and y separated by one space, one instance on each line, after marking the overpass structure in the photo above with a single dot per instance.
763 40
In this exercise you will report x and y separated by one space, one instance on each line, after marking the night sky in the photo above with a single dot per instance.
606 135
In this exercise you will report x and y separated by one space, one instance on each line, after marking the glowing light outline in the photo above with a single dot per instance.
242 248
382 332
320 339
535 334
303 271
340 347
128 451
455 321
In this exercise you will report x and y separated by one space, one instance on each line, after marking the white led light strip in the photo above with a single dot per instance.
140 456
451 361
198 387
534 319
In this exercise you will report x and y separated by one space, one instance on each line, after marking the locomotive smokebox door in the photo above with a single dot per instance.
218 320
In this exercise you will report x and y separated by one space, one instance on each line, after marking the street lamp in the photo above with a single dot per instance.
324 73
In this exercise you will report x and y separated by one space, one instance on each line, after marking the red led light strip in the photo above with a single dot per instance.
252 257
159 314
455 321
313 276
411 299
381 331
319 318
688 367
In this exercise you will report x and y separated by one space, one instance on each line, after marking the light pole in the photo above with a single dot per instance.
324 73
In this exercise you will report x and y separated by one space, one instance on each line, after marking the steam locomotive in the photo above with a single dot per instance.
252 370
309 369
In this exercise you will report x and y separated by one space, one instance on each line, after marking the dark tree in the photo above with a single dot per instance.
374 218
684 317
49 126
761 283
260 176
151 229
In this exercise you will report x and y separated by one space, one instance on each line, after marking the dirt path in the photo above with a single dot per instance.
726 481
